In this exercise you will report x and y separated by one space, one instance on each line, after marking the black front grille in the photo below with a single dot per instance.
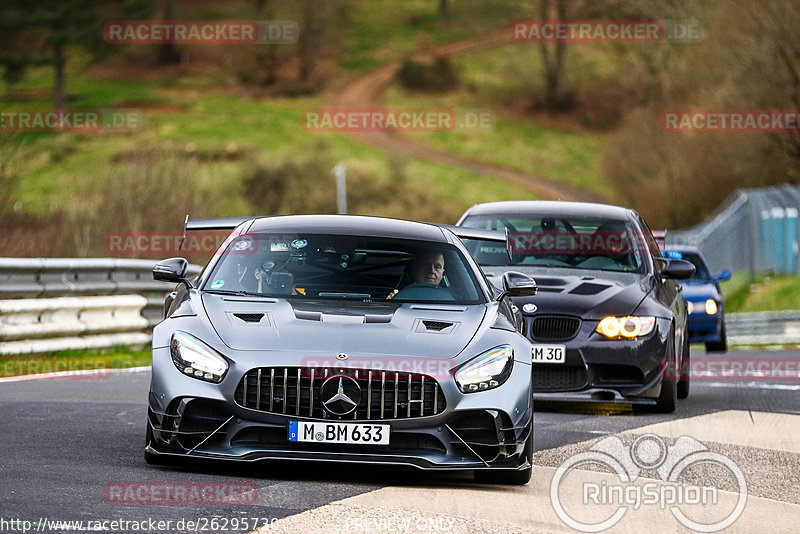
552 377
554 327
296 391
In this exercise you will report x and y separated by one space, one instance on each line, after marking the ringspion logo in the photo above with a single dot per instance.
599 505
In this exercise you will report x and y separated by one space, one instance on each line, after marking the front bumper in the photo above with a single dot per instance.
190 418
703 328
603 370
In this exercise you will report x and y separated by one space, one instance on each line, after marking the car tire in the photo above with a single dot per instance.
668 398
686 375
512 478
721 345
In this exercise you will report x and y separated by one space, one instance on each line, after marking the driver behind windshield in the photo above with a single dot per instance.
425 268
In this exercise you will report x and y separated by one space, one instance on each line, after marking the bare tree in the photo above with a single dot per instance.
267 57
444 10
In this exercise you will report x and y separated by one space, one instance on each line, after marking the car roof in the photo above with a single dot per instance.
349 225
550 207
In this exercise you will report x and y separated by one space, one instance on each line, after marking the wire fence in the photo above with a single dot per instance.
755 230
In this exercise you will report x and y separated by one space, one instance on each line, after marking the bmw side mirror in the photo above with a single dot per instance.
723 275
676 269
517 284
172 270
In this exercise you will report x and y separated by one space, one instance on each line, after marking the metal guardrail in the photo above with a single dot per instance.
763 328
52 304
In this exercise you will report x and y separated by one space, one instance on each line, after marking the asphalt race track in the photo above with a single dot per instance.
64 440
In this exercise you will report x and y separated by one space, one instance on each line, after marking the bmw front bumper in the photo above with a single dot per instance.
604 370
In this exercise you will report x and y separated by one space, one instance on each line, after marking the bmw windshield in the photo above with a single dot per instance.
344 267
592 243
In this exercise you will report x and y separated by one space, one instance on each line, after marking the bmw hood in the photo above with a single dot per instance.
589 294
321 327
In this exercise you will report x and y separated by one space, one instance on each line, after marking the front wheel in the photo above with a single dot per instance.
668 398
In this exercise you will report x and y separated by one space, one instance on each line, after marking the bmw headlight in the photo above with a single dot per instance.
196 359
627 327
486 371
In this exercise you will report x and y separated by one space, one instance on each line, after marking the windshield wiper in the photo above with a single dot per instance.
235 293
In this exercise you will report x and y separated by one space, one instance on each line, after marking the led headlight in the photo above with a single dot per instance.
711 307
626 327
486 371
196 359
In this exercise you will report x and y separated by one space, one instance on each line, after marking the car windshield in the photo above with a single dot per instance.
344 267
591 243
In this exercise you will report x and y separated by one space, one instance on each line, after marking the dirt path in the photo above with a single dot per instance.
367 91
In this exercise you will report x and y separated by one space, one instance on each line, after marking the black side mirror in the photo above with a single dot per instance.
172 270
517 284
676 269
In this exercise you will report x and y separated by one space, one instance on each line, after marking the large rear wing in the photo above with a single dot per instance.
479 234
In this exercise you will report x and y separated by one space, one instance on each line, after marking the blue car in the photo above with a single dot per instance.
704 300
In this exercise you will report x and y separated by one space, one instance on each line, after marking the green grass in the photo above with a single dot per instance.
74 360
766 293
498 80
55 166
382 30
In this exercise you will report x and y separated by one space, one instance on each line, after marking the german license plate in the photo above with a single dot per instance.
548 353
348 433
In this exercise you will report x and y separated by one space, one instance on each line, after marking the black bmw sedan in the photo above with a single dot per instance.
609 323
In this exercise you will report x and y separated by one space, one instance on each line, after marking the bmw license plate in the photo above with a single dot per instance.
348 433
548 353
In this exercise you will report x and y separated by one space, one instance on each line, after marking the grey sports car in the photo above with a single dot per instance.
347 339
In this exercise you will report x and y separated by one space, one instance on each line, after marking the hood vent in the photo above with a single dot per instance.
587 288
249 317
435 327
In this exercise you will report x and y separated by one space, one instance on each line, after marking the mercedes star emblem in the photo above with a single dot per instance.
346 398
